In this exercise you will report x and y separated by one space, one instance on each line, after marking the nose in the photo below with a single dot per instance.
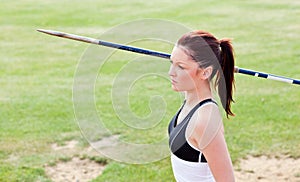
171 71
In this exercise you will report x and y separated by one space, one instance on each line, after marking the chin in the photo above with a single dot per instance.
176 89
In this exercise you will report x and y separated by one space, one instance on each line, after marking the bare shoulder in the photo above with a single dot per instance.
205 124
208 109
207 114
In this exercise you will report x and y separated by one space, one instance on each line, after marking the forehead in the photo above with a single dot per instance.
179 54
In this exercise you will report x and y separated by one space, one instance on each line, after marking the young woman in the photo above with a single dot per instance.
200 63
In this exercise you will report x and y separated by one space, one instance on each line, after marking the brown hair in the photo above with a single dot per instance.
207 50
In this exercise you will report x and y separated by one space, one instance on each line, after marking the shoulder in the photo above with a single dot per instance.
205 124
208 113
207 109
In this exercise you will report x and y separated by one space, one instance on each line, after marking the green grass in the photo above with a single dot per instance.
37 74
9 173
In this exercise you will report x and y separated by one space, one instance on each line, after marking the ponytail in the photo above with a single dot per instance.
226 81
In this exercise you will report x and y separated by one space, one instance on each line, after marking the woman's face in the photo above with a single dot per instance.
183 71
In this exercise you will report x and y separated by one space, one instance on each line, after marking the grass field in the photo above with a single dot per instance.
37 75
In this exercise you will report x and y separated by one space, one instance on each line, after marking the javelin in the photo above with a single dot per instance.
161 54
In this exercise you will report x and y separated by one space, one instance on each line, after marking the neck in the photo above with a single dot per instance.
198 94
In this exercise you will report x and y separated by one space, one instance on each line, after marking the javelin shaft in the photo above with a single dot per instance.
267 76
160 54
106 44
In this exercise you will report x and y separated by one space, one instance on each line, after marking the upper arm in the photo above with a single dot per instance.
218 158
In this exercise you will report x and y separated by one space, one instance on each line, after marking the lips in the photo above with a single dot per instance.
173 81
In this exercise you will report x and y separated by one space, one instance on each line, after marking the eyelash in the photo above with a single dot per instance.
178 65
181 67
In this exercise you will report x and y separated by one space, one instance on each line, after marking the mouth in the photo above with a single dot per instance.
173 82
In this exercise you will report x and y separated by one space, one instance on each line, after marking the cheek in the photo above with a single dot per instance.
188 75
186 79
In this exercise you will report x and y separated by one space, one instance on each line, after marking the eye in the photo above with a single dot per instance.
178 65
181 67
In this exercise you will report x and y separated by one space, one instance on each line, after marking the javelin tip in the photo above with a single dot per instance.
45 31
51 32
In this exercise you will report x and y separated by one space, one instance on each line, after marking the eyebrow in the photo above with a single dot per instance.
179 62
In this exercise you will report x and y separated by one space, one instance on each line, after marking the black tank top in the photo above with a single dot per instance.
177 141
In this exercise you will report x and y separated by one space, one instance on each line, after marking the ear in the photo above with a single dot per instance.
205 73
